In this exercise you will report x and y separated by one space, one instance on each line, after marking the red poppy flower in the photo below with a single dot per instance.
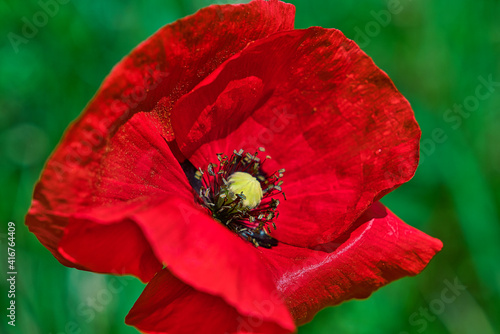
152 175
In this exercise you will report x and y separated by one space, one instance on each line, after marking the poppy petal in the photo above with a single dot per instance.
378 249
137 171
117 249
209 257
164 67
167 305
324 112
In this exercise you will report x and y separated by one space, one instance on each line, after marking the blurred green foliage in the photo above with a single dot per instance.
436 52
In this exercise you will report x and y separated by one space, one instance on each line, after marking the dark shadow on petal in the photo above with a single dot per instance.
187 167
190 170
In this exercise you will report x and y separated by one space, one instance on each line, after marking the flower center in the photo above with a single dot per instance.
239 194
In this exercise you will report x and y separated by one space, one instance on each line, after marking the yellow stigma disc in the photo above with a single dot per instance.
245 183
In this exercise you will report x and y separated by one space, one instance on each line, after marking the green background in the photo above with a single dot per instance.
435 52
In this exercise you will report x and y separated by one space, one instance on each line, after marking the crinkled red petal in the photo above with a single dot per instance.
168 305
137 171
117 249
323 111
378 249
209 257
164 67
